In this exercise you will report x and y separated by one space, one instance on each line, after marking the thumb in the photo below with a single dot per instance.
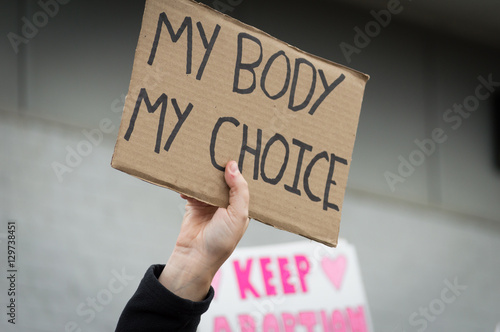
239 196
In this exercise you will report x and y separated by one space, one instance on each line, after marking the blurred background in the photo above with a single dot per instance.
418 214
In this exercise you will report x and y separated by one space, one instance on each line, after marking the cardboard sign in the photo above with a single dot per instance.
206 89
292 287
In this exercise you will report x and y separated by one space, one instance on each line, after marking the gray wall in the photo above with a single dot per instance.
442 223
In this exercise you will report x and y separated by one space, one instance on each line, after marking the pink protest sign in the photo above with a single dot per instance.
300 286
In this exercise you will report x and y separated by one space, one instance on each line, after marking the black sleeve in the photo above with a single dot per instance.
154 308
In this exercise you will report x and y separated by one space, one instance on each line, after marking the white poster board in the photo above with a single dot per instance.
301 286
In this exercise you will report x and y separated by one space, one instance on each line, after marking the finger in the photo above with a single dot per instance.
239 196
194 202
191 200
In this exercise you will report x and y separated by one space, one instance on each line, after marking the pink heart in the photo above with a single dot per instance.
335 269
216 281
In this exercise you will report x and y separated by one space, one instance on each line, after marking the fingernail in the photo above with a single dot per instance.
234 168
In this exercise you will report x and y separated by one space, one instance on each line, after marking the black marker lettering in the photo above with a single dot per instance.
181 117
162 100
328 90
256 152
303 147
163 19
215 132
330 181
276 137
298 63
322 155
245 66
208 47
266 71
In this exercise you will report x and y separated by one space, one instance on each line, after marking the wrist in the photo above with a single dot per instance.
187 275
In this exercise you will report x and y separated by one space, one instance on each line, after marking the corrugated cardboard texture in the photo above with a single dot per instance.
206 89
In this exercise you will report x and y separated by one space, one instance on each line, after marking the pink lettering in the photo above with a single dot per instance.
271 324
324 321
338 322
243 276
221 325
285 275
308 319
246 323
357 319
267 275
303 267
288 322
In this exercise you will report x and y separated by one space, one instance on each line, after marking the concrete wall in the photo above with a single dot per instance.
75 233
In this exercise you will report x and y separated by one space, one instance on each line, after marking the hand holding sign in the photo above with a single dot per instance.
208 237
204 89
